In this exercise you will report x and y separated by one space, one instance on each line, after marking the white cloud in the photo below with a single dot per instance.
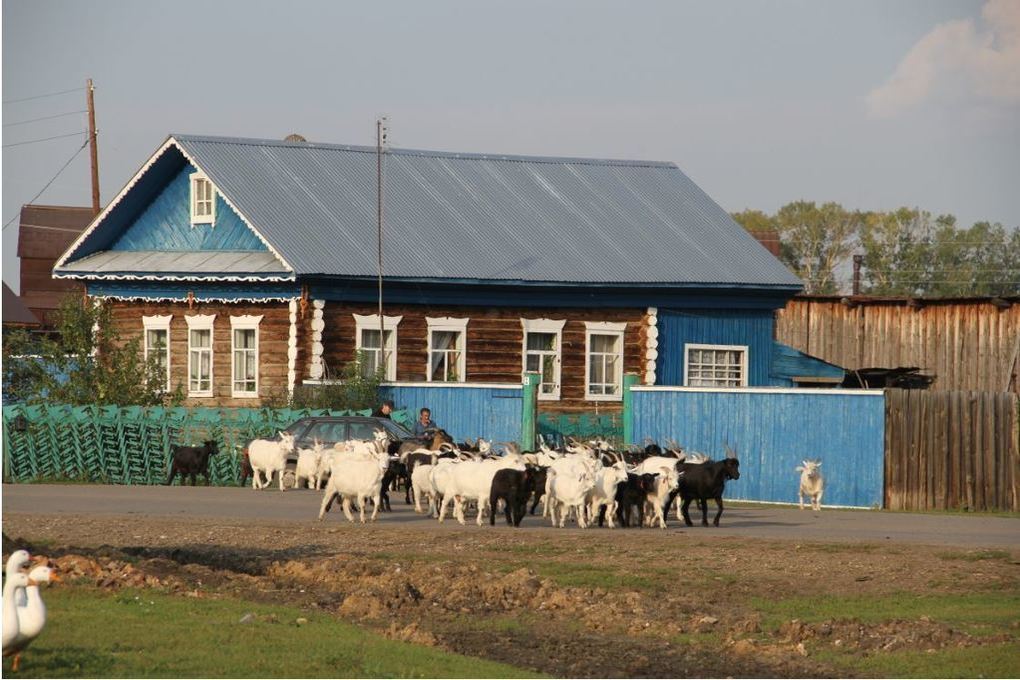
958 61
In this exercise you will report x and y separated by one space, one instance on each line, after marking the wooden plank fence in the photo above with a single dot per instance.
952 450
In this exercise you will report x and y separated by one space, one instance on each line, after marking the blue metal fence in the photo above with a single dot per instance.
773 430
492 411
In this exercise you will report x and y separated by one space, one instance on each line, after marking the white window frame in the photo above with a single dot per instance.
371 323
548 326
603 328
201 322
195 178
743 349
157 323
451 324
244 323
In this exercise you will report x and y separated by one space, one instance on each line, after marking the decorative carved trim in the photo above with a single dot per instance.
315 368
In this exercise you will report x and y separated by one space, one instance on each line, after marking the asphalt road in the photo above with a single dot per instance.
752 521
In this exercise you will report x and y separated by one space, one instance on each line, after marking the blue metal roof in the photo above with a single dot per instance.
483 217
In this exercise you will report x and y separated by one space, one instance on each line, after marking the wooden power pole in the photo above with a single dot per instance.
93 151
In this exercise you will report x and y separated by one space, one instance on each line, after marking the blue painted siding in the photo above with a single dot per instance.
165 224
772 433
492 413
789 363
714 327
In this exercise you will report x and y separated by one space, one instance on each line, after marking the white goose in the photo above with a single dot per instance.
17 560
15 582
32 614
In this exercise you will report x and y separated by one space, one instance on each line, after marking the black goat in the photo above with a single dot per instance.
539 485
514 487
701 481
633 492
191 460
246 471
395 471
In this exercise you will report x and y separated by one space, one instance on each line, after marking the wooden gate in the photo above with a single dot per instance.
951 450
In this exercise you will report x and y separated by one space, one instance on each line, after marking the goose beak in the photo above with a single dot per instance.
55 577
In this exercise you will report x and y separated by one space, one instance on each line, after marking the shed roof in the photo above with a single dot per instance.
15 312
45 231
480 217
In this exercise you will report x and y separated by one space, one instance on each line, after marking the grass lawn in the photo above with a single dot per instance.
92 633
978 614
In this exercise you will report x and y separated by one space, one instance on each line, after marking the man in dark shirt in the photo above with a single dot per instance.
425 427
384 410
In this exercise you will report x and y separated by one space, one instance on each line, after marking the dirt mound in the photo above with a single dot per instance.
919 634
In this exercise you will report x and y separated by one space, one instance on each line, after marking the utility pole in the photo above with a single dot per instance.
93 151
857 274
380 140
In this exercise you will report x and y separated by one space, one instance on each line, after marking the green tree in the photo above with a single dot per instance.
896 249
87 363
816 242
981 260
352 389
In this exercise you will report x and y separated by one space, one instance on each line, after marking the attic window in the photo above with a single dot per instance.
203 199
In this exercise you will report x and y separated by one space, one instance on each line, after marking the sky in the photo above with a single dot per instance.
869 103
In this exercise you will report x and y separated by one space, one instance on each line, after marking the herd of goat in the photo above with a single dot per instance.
587 481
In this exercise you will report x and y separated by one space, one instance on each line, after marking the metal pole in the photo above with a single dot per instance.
529 410
629 380
379 196
93 151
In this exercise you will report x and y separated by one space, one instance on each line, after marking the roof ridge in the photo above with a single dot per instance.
518 158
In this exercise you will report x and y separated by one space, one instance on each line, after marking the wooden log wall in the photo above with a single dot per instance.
966 345
494 345
952 450
273 334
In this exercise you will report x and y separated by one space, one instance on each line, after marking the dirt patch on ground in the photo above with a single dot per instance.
570 603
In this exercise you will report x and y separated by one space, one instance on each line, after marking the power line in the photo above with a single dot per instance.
946 270
34 120
41 96
44 139
62 168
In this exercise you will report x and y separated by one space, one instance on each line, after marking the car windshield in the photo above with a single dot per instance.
396 429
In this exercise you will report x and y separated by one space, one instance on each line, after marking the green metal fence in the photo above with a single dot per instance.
554 427
131 444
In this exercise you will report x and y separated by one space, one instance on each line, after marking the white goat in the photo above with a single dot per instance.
812 484
568 490
269 456
309 462
421 485
583 461
604 492
472 480
360 478
655 502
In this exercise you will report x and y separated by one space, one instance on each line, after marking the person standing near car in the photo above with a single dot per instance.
424 427
384 410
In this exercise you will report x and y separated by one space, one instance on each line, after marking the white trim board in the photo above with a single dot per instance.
167 298
457 385
172 277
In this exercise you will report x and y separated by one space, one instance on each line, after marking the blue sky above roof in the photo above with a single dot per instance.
760 103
